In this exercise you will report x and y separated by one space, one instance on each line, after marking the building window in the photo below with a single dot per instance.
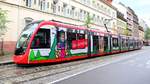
44 5
68 11
84 14
34 2
39 2
72 11
59 9
53 5
94 19
64 8
97 5
28 3
47 4
81 14
98 20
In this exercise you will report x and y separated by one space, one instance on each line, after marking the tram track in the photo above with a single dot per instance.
17 75
21 72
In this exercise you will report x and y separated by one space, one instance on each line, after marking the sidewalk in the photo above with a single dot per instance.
6 59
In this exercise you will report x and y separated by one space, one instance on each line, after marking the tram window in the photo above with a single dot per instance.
81 36
95 42
105 43
127 42
115 42
41 39
123 43
70 37
131 43
61 42
81 41
101 41
75 40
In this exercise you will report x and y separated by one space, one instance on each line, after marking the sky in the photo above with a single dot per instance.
141 8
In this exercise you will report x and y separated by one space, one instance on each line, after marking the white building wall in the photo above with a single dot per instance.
18 11
121 8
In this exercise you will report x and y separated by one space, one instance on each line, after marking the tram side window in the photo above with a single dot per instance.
81 41
81 36
101 42
123 43
105 43
127 43
71 37
75 40
115 42
61 39
41 39
131 43
95 42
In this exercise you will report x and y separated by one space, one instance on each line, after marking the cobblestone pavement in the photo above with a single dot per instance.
6 59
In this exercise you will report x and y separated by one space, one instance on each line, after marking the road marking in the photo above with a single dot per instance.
114 61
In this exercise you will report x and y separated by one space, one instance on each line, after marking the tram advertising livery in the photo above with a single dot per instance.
54 41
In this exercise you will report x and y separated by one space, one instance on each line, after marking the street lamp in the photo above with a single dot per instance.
106 21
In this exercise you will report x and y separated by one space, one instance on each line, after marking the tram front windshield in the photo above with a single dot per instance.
24 38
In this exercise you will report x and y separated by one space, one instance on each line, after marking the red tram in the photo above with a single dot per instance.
53 41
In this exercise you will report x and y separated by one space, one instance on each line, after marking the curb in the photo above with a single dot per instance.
6 63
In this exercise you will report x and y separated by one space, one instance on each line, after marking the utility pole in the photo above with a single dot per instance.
106 21
88 21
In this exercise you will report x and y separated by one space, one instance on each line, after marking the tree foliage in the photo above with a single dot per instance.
147 34
126 31
88 20
3 21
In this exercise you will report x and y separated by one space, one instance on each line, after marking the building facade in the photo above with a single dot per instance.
22 12
127 15
135 30
121 24
142 28
130 21
141 33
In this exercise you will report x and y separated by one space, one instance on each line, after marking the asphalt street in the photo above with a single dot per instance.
135 70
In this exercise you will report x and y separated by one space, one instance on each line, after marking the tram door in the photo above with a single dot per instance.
107 44
89 44
95 44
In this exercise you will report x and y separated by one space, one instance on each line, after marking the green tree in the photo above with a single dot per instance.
147 34
3 27
88 21
126 31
